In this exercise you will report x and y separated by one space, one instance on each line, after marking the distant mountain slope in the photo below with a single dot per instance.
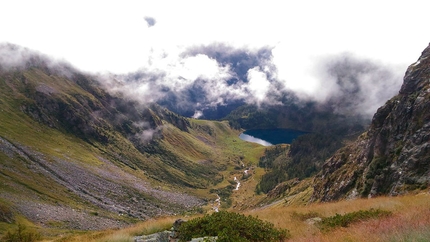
393 156
74 156
328 132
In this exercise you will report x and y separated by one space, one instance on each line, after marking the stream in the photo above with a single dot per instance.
217 202
238 184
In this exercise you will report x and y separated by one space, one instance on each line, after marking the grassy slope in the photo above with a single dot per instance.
18 127
213 143
410 221
17 176
234 155
220 144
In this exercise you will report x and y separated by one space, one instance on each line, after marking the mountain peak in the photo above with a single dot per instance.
416 72
393 156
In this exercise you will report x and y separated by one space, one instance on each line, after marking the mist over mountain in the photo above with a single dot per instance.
354 85
16 58
210 81
239 60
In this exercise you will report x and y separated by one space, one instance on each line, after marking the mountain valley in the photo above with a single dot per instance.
76 157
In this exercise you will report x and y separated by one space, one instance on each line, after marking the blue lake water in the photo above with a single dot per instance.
269 137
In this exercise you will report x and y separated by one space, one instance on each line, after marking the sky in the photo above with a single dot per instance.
293 45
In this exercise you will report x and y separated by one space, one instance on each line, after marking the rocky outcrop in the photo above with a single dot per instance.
172 235
393 156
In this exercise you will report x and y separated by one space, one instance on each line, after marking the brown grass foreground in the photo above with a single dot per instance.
410 221
121 235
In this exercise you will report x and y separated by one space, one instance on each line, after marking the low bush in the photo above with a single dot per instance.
231 227
348 218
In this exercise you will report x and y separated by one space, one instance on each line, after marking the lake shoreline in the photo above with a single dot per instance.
269 137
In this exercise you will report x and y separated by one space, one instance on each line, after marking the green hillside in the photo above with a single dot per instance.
73 156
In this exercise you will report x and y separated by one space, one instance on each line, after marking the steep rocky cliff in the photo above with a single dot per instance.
393 156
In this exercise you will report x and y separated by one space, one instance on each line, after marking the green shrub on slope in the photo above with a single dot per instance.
348 218
231 227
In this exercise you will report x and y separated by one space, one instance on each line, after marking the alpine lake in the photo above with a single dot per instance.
268 137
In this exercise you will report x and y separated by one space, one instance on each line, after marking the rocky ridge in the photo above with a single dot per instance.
393 156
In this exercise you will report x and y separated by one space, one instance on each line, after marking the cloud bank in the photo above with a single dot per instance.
355 85
202 80
195 57
206 78
15 58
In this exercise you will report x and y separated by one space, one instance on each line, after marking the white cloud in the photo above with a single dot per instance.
147 134
200 66
119 37
258 84
114 36
197 114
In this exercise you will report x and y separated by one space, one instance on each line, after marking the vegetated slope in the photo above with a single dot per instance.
328 132
296 114
393 156
74 156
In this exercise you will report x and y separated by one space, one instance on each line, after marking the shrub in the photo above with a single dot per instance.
21 234
231 227
348 218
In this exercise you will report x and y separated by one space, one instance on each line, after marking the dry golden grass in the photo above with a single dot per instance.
121 235
410 220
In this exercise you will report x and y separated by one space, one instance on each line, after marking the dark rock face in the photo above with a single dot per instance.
393 156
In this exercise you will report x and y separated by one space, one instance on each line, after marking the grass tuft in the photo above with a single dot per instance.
305 216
